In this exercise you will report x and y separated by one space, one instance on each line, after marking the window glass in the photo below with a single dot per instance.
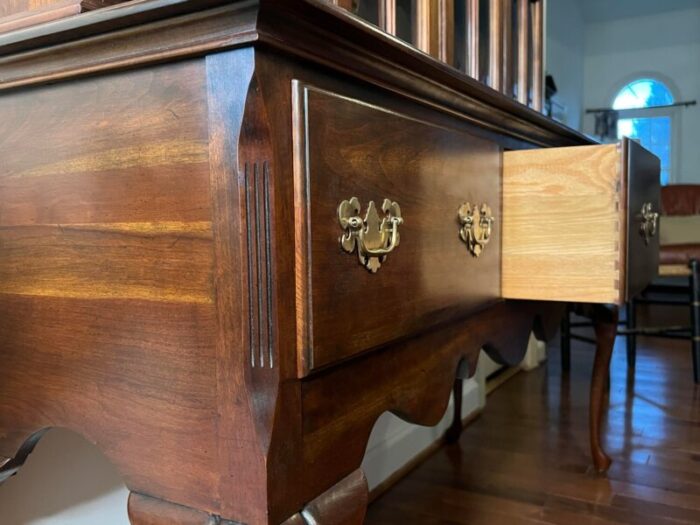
653 132
643 93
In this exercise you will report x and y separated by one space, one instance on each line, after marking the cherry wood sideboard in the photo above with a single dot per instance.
233 234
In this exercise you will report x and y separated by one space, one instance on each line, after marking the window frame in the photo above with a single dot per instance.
656 111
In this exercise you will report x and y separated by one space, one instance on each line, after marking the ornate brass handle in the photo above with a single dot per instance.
647 229
476 224
372 237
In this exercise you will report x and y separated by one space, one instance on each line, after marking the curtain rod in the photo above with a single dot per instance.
674 105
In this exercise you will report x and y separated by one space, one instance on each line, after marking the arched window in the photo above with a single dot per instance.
645 115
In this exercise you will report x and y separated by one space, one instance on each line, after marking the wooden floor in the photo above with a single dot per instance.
525 460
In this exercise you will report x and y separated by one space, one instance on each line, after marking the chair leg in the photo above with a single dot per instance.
455 431
631 337
695 316
566 341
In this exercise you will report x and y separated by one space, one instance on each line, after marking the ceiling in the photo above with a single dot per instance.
601 10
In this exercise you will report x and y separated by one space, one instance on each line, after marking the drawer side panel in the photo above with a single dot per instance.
561 224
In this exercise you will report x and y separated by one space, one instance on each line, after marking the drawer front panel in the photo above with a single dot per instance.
643 171
346 148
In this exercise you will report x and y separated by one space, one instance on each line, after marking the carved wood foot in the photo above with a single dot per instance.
144 510
605 324
343 504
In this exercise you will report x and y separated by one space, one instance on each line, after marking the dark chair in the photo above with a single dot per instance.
678 283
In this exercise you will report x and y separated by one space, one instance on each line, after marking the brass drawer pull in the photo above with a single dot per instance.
373 237
476 222
647 229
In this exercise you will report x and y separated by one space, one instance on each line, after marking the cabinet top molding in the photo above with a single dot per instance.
147 31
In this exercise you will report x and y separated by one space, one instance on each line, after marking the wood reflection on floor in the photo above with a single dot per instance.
526 459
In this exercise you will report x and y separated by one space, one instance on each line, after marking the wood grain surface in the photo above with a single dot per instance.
151 31
342 404
144 510
351 149
107 318
525 460
563 214
147 247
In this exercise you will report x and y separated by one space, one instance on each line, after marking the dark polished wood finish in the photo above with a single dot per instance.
387 16
472 38
144 510
605 320
79 46
496 46
537 84
350 149
345 503
508 63
151 233
523 79
642 179
525 460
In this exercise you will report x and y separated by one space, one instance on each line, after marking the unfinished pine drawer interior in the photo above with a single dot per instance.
579 223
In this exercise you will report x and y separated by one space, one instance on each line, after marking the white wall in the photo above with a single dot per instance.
564 57
65 481
666 45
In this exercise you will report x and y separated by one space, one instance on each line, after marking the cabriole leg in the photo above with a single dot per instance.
144 510
605 323
343 504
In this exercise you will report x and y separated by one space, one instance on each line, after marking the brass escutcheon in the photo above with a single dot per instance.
647 228
373 237
476 222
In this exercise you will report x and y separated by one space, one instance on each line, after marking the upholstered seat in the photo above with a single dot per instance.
680 199
679 277
680 224
679 253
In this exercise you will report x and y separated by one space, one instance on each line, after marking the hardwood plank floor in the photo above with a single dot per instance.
526 459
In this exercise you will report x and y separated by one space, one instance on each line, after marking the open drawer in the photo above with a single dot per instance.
579 223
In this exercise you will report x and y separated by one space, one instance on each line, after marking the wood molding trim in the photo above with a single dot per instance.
151 31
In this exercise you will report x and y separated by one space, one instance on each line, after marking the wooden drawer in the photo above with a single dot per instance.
572 222
345 148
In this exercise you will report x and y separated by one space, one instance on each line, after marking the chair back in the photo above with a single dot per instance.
680 199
